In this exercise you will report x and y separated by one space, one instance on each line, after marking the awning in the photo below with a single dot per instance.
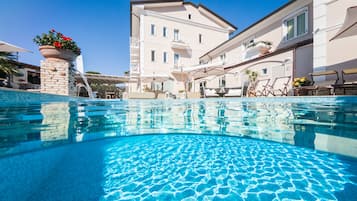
200 71
103 79
155 78
7 47
349 27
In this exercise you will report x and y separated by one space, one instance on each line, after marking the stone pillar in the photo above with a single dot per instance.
58 77
56 118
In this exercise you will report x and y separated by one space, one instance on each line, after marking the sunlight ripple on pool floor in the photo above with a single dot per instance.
189 167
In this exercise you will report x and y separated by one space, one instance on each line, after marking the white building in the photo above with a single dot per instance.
292 41
166 35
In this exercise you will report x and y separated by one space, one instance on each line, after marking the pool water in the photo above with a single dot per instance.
215 149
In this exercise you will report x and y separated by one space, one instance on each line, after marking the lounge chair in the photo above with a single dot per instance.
210 93
260 88
236 91
349 78
280 86
322 85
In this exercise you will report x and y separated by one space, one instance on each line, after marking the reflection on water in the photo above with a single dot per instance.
328 124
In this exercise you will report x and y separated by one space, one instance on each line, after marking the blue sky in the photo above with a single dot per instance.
101 27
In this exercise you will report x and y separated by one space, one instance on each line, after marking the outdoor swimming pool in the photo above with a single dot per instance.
59 148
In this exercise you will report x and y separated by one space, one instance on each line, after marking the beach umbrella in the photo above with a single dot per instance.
349 27
7 47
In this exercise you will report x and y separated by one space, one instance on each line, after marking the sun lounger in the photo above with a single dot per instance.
349 78
332 78
210 93
260 88
280 86
234 92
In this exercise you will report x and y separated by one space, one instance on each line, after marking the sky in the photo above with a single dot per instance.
101 27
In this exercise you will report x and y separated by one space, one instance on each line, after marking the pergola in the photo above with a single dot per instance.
103 79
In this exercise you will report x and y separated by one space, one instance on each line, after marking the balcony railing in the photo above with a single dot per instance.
134 42
179 44
134 68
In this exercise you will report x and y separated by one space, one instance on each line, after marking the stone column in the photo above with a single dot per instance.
58 77
56 119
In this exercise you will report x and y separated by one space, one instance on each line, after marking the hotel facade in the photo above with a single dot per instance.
294 41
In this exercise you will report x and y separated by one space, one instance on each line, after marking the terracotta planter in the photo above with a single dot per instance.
52 53
264 50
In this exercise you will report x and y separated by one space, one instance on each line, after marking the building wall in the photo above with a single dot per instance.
182 12
271 29
340 52
274 66
189 34
303 61
172 17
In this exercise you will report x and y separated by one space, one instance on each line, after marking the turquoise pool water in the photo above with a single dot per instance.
217 149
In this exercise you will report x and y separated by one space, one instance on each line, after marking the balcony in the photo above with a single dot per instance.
134 68
180 45
134 42
256 49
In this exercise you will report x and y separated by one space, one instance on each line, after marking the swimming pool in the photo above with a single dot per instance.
63 148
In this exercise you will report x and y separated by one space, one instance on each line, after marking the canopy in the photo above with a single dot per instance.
7 47
155 78
103 79
349 27
200 71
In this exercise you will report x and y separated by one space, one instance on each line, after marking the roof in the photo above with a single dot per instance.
251 26
134 2
103 79
213 13
25 65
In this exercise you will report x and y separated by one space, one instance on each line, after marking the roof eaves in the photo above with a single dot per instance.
218 16
251 26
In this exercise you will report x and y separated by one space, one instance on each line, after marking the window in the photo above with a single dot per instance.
176 35
152 55
189 16
153 29
33 78
296 25
165 57
291 29
264 71
176 59
222 82
223 57
248 42
164 32
200 38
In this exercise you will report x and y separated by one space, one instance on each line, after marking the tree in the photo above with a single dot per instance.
93 72
6 65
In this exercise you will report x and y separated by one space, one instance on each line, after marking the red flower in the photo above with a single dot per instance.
66 38
57 44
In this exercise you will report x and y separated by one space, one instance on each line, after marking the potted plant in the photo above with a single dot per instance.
55 45
252 79
262 46
301 81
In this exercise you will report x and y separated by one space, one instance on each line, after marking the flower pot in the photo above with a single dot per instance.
52 53
264 50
